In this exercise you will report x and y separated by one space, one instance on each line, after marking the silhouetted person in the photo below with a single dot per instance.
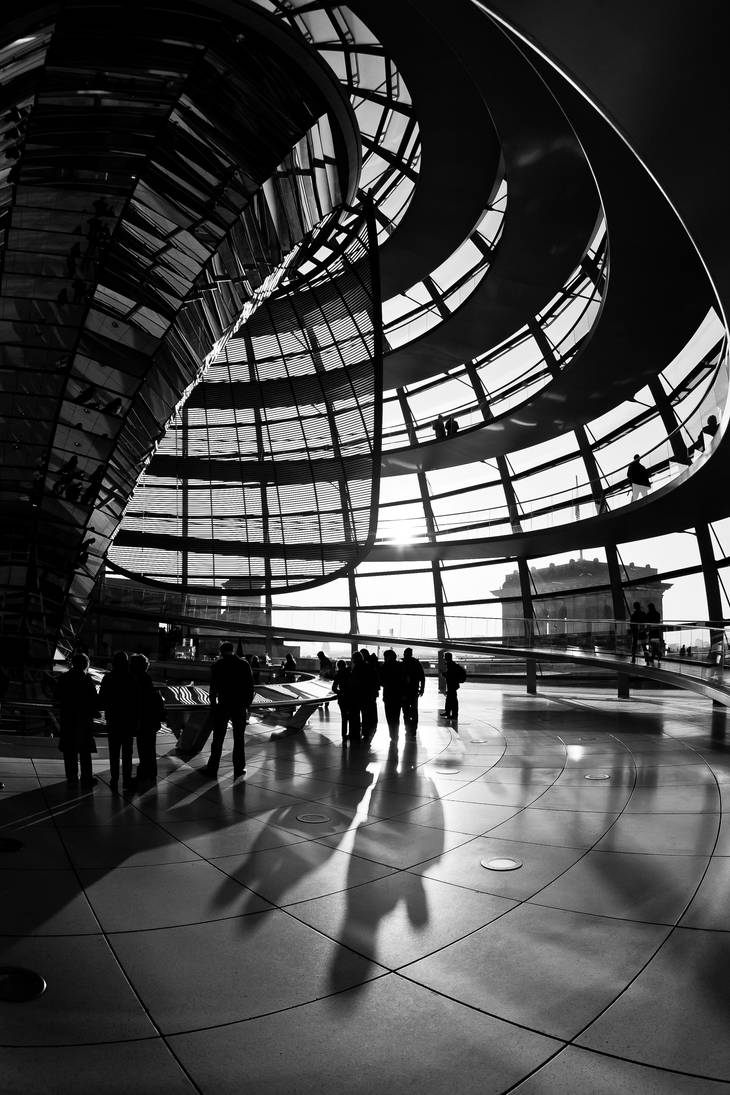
115 698
454 675
369 710
360 689
392 682
439 428
231 692
638 478
94 484
654 634
710 428
451 426
638 622
78 705
289 664
148 710
325 669
342 687
325 665
414 685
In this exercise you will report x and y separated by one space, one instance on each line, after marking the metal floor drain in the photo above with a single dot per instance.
18 985
313 819
10 844
501 863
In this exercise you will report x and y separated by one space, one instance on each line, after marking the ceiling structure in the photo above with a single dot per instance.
469 211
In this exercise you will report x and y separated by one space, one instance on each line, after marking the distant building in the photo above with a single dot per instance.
568 599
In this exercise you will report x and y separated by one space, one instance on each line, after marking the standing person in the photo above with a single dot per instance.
325 670
391 679
370 701
342 687
653 634
439 428
231 692
454 675
360 690
414 685
638 478
638 621
115 698
325 665
148 711
78 704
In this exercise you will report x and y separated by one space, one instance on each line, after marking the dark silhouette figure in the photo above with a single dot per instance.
115 698
94 484
451 426
710 428
325 670
414 685
78 705
289 664
147 714
638 478
654 635
453 675
342 687
439 428
638 624
392 683
231 692
325 665
369 709
360 692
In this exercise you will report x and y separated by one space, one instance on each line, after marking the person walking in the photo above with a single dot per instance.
638 623
454 675
231 692
78 704
391 680
148 710
414 685
115 699
638 478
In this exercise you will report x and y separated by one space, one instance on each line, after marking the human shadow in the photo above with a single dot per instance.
368 906
289 844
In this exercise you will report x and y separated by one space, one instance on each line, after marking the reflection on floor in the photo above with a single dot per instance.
327 925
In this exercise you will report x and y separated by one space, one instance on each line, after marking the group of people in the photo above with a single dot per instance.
358 685
134 711
646 633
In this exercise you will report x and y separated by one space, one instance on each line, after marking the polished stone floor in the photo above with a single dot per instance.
327 926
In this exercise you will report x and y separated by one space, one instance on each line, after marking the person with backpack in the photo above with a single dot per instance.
454 675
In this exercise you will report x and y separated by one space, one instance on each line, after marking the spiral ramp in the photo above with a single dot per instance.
222 362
